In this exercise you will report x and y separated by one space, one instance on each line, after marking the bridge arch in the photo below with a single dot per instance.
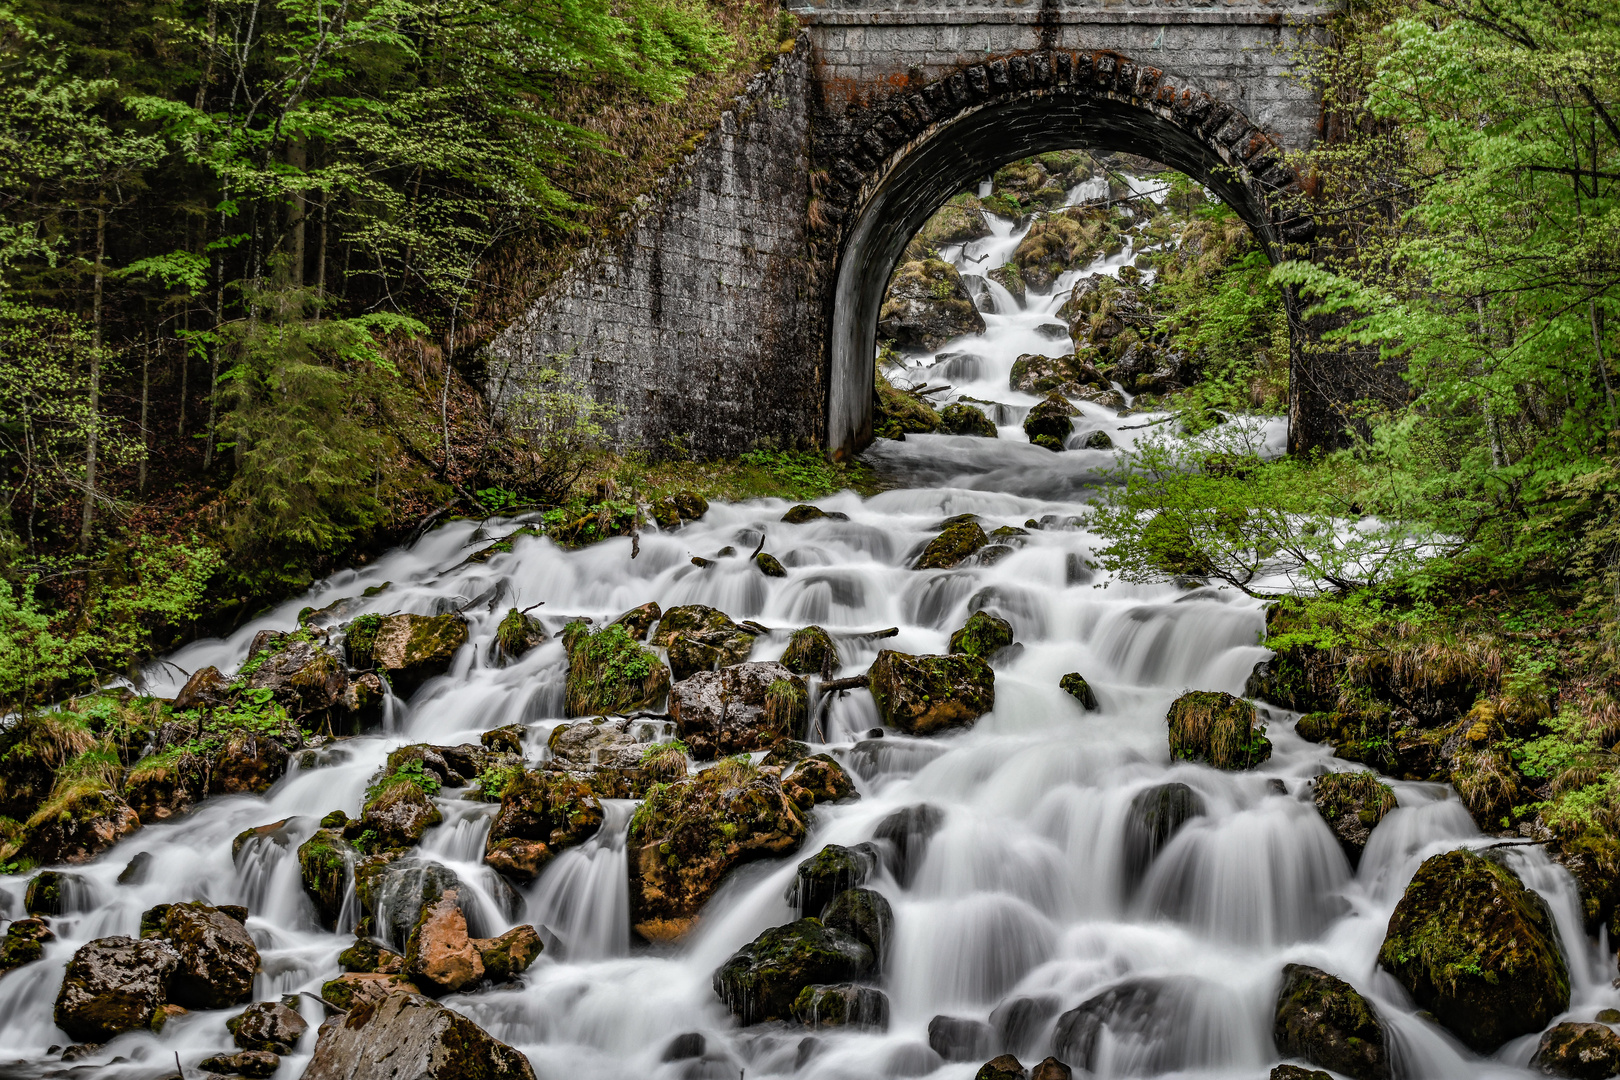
912 154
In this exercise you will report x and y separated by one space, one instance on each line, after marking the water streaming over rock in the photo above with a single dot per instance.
1040 889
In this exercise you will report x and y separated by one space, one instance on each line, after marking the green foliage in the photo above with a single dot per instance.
413 773
493 781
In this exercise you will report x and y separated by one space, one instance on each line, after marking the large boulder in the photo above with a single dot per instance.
393 893
114 985
829 872
157 788
842 1005
958 540
267 1025
609 672
764 978
306 675
397 812
217 957
356 989
1578 1051
324 862
818 779
24 943
962 419
408 649
541 815
1217 729
517 634
926 305
408 1035
1477 949
957 1039
1066 376
1321 1019
738 709
1049 423
982 635
700 638
1151 821
509 955
1353 803
811 651
903 838
924 694
686 837
440 957
77 823
866 916
251 761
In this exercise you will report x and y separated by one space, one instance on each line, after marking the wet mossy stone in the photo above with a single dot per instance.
1298 1072
811 651
865 915
921 695
24 943
1152 821
786 754
903 839
764 978
507 739
982 635
1321 1019
410 649
804 512
638 620
113 985
1048 424
541 815
818 779
960 419
691 505
1098 440
957 541
1005 1067
827 873
1075 685
609 672
323 864
366 955
842 1005
957 1039
45 889
517 633
1578 1051
700 638
768 565
1215 728
1352 804
1477 949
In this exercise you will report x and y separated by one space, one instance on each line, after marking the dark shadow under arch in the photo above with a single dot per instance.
965 140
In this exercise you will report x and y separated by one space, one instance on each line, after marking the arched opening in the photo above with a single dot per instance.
901 193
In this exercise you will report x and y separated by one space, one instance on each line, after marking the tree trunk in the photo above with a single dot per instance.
146 384
185 366
1603 367
297 157
88 519
320 254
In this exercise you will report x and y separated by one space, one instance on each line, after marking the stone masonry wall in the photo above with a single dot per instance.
703 319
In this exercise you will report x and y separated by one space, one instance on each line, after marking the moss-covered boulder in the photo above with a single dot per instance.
509 955
1298 1072
811 651
804 512
926 305
365 955
764 978
738 709
1064 376
921 695
1578 1051
1353 803
897 412
50 892
268 1026
769 566
218 959
541 815
865 915
1477 949
1215 728
307 676
1005 1067
81 819
113 985
323 865
609 672
830 871
700 638
842 1005
24 943
1075 685
818 779
956 541
1321 1019
640 619
960 419
957 222
250 762
408 649
440 957
355 990
687 836
1048 424
159 787
602 742
982 635
405 1034
517 633
398 810
1153 818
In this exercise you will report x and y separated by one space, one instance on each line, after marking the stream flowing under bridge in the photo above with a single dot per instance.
736 304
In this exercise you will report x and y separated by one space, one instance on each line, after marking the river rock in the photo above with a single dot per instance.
365 955
811 651
1477 949
267 1025
250 762
408 649
765 977
818 779
829 872
1005 1067
1065 376
541 815
507 739
408 1035
956 541
1217 729
601 742
509 955
699 638
217 956
926 305
253 1064
114 985
1051 1069
323 864
1018 1022
1352 804
517 633
982 635
440 957
1578 1051
1076 687
206 686
1151 821
639 620
77 824
609 672
769 565
24 943
903 839
1049 423
957 1039
687 836
921 695
842 1005
157 789
738 709
307 676
398 815
50 892
1321 1019
960 419
866 916
1297 1072
393 892
351 991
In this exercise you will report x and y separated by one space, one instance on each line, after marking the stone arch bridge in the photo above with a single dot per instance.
737 304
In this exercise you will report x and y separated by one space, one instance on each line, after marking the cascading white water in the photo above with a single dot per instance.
1028 900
